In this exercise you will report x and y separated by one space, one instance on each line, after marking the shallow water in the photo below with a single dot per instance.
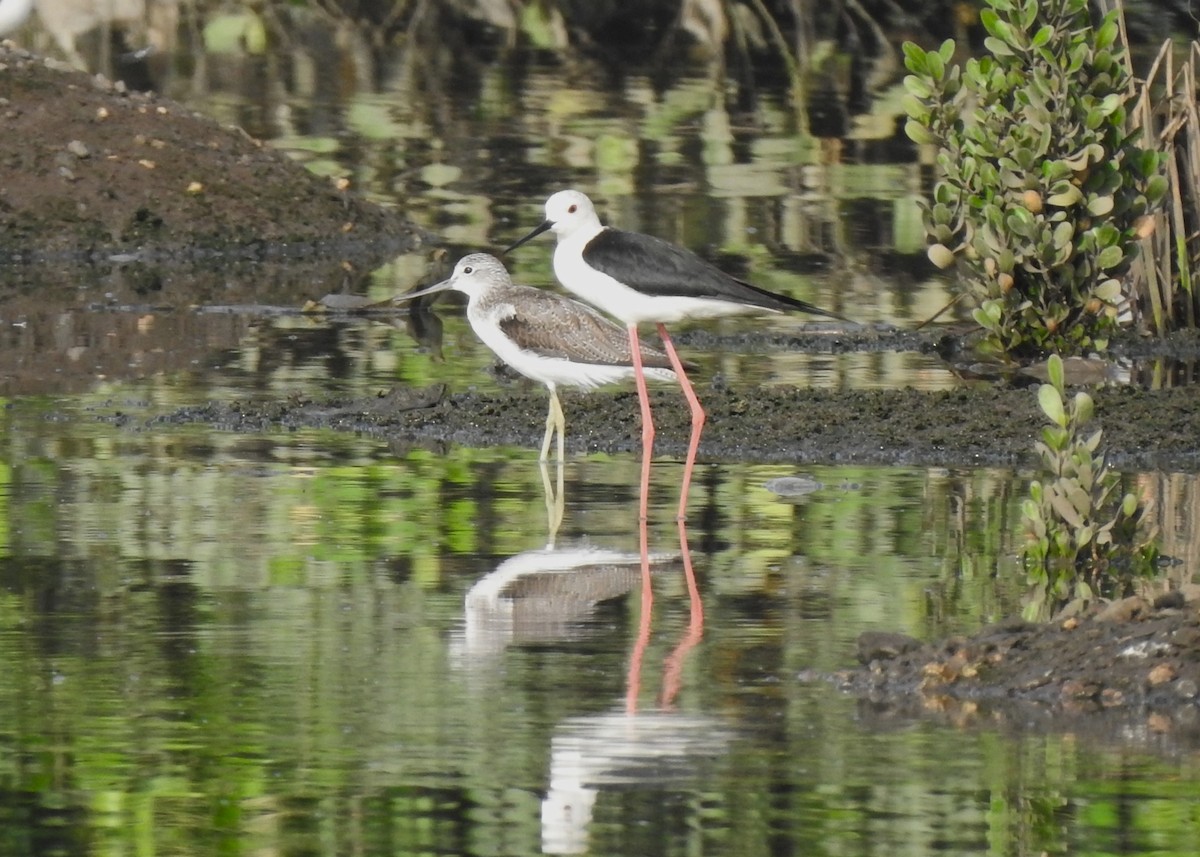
285 641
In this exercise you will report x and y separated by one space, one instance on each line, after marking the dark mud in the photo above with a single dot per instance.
92 176
1131 667
965 427
89 172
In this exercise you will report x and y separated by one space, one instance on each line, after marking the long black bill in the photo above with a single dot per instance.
545 224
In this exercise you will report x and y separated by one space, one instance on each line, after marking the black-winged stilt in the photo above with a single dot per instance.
637 279
545 336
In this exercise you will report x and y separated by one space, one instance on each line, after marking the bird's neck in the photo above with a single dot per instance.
580 238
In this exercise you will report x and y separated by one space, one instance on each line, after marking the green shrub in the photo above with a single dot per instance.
1041 187
1082 538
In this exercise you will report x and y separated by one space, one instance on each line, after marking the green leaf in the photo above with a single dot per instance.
1085 475
915 107
914 58
1111 103
918 133
1066 196
1063 508
1107 34
919 87
984 320
1110 257
1109 291
1129 505
1107 234
1042 36
1098 206
1063 233
1055 438
1054 368
1080 499
1148 162
1156 188
937 67
1051 403
1053 171
1084 408
1029 10
997 47
990 21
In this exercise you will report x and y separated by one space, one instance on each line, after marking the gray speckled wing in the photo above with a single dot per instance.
551 325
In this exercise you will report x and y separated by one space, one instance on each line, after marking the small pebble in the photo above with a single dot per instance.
78 148
1161 674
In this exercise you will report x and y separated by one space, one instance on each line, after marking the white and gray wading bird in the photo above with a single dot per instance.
638 279
545 336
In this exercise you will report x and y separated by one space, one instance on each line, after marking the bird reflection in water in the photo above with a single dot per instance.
660 748
548 594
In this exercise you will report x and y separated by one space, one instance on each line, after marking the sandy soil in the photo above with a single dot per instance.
88 172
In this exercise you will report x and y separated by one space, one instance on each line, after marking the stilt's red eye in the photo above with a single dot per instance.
571 210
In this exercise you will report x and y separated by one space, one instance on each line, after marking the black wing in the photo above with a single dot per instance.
656 267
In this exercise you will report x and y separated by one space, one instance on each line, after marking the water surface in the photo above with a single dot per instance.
293 640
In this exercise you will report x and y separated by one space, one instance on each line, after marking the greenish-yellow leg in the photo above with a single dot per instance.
555 421
554 500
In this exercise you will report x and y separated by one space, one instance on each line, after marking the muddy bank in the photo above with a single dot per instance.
1131 666
89 172
983 424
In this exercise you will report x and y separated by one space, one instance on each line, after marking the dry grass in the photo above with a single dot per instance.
1165 110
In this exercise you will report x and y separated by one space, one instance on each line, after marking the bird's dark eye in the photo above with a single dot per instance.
468 270
571 210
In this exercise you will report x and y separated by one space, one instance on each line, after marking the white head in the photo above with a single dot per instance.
567 212
473 275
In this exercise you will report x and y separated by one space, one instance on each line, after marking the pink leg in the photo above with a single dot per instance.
697 419
633 680
639 376
673 666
